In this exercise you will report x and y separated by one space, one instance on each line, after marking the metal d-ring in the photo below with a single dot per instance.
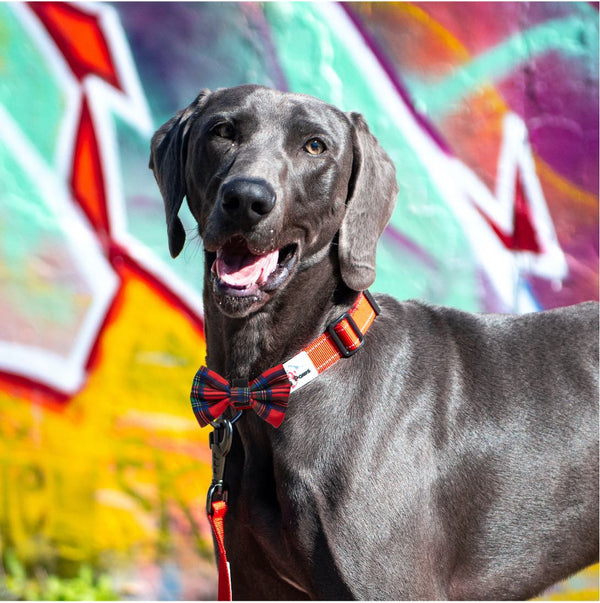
217 422
218 489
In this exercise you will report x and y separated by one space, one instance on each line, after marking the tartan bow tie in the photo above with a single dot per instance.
267 395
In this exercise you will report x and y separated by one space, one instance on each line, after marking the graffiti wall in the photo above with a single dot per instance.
490 112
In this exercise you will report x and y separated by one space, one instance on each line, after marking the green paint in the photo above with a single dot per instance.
40 284
145 211
28 89
575 36
318 61
24 215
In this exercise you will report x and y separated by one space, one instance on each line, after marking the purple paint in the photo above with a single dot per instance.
181 47
557 96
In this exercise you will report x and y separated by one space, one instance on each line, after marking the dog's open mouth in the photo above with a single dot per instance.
240 271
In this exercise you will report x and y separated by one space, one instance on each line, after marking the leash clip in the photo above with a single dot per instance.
219 440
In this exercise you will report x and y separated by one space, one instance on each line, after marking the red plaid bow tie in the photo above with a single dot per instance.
267 395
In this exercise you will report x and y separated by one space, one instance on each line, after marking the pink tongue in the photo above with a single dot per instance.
240 270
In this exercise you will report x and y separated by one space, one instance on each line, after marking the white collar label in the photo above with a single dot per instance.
300 370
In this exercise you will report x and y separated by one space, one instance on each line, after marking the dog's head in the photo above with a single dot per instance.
272 178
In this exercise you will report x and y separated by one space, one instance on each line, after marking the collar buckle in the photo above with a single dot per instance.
344 349
373 303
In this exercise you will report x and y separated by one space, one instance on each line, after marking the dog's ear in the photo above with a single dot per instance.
371 198
167 160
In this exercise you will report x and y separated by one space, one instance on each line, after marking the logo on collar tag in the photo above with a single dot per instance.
300 370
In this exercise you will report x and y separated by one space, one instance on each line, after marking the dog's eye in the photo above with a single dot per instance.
223 130
315 146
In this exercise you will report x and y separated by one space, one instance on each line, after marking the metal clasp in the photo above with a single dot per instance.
219 440
220 444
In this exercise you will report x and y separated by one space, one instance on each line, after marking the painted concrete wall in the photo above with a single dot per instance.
490 112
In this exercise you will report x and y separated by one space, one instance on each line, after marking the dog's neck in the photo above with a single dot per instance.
242 348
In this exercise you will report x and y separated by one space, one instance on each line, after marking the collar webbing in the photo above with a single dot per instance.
342 338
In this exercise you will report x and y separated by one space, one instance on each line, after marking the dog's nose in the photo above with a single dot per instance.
247 201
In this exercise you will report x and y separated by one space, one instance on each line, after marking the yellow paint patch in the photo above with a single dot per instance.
124 465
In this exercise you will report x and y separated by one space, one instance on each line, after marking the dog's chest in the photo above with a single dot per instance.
272 521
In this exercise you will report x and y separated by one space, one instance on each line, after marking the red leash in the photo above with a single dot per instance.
216 518
220 440
343 338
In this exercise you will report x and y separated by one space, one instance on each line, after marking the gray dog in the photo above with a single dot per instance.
454 456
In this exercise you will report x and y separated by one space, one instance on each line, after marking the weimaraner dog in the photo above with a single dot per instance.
454 456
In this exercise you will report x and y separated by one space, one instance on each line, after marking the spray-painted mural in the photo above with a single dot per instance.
490 111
